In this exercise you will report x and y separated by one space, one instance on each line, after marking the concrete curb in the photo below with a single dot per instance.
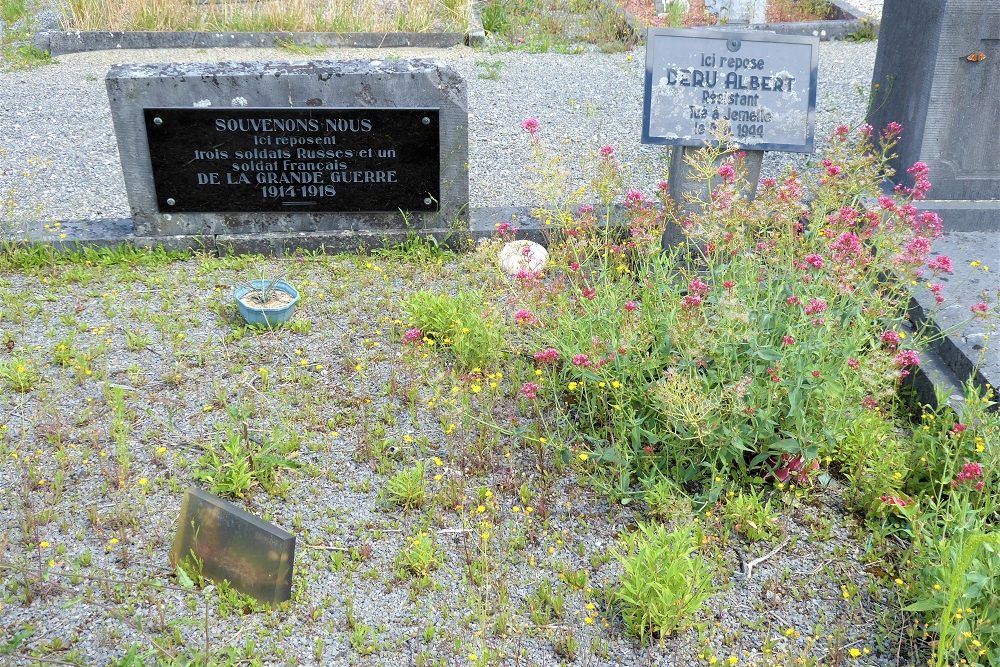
59 43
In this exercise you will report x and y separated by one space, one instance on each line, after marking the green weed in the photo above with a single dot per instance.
664 583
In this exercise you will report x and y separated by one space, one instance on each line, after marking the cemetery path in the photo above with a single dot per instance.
62 162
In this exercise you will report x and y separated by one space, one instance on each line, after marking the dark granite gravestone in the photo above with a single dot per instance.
256 557
357 149
937 72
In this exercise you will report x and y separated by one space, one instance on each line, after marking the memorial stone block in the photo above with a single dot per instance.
936 73
244 148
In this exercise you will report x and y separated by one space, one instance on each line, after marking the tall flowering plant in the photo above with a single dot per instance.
750 344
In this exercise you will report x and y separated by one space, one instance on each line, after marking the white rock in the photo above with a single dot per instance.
522 256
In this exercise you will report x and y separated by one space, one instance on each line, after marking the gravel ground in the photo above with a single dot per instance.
55 122
72 499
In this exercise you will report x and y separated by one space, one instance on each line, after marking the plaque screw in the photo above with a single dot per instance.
425 120
171 201
157 121
428 201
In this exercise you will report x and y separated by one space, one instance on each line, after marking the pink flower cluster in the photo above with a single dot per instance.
549 355
530 125
970 472
631 306
530 390
815 306
940 264
847 248
814 260
890 339
935 289
523 317
413 335
691 301
507 229
607 151
728 172
906 358
891 131
581 360
921 181
635 199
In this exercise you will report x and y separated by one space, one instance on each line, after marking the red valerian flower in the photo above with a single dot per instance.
607 151
412 335
549 355
531 125
906 358
979 309
581 360
890 338
815 306
631 306
698 287
691 301
524 317
941 263
727 172
969 472
530 390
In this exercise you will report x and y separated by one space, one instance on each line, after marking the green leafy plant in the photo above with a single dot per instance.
495 18
408 488
948 508
663 584
748 514
546 604
664 500
463 323
420 556
20 373
236 463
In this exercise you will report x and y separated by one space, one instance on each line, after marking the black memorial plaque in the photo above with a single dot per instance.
209 160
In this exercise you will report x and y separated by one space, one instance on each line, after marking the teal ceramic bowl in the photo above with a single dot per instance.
266 317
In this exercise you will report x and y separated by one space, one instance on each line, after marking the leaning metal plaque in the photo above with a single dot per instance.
256 557
241 160
762 84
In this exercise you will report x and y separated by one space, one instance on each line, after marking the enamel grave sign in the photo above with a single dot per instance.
763 84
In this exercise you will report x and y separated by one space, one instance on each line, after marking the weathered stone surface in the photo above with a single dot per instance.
310 85
947 103
972 349
522 255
